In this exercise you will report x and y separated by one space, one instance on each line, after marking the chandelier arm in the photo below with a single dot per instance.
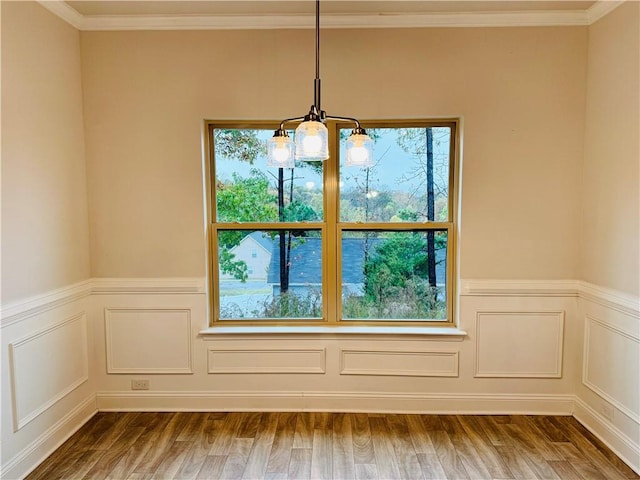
345 119
289 120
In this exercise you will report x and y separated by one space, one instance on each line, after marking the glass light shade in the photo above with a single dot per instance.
280 152
359 148
312 142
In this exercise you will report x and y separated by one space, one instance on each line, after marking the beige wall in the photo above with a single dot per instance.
520 93
611 197
522 96
44 207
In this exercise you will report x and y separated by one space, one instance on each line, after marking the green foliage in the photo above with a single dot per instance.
241 145
395 261
244 200
297 211
408 215
415 302
316 165
358 205
228 265
396 283
292 305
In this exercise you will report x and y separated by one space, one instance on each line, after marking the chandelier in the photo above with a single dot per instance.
311 135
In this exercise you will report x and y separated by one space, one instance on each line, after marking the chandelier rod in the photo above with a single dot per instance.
316 82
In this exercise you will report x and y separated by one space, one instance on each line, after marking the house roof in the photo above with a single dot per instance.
260 238
306 261
264 240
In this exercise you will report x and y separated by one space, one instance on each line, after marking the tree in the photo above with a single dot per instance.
399 259
237 268
411 141
241 199
397 276
244 200
243 145
251 199
293 211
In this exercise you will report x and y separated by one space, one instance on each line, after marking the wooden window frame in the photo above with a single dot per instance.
331 228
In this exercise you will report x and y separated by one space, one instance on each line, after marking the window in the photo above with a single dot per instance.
323 243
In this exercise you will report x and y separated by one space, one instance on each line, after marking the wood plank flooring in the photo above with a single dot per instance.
274 446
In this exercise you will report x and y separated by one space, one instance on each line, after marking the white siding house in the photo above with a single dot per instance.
255 251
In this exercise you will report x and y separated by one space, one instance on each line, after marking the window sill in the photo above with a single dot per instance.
432 333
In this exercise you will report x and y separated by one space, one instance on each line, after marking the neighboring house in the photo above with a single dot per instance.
255 250
306 265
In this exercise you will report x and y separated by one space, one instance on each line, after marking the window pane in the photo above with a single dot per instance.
261 286
409 181
394 275
248 191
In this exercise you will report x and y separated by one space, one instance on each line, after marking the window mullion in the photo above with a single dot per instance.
331 256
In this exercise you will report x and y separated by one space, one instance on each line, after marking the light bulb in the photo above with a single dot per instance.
312 143
280 155
359 150
280 151
359 155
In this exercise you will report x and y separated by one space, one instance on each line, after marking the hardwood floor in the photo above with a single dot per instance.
274 446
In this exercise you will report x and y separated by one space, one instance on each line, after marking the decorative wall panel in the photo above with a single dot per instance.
266 360
47 365
143 340
612 365
519 344
404 363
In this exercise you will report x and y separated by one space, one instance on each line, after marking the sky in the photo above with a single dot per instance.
392 163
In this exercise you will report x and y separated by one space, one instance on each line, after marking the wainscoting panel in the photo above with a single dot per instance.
47 365
404 363
140 340
515 344
612 365
266 360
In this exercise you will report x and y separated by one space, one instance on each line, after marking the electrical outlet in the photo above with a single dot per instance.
607 411
139 384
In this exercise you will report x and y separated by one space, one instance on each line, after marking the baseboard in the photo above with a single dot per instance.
23 463
623 446
337 402
51 439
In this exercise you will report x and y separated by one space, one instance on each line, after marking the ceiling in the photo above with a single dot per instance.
238 14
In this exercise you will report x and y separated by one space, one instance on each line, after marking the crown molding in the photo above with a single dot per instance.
65 12
601 8
262 22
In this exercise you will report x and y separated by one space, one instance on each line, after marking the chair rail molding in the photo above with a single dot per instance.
28 307
159 285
